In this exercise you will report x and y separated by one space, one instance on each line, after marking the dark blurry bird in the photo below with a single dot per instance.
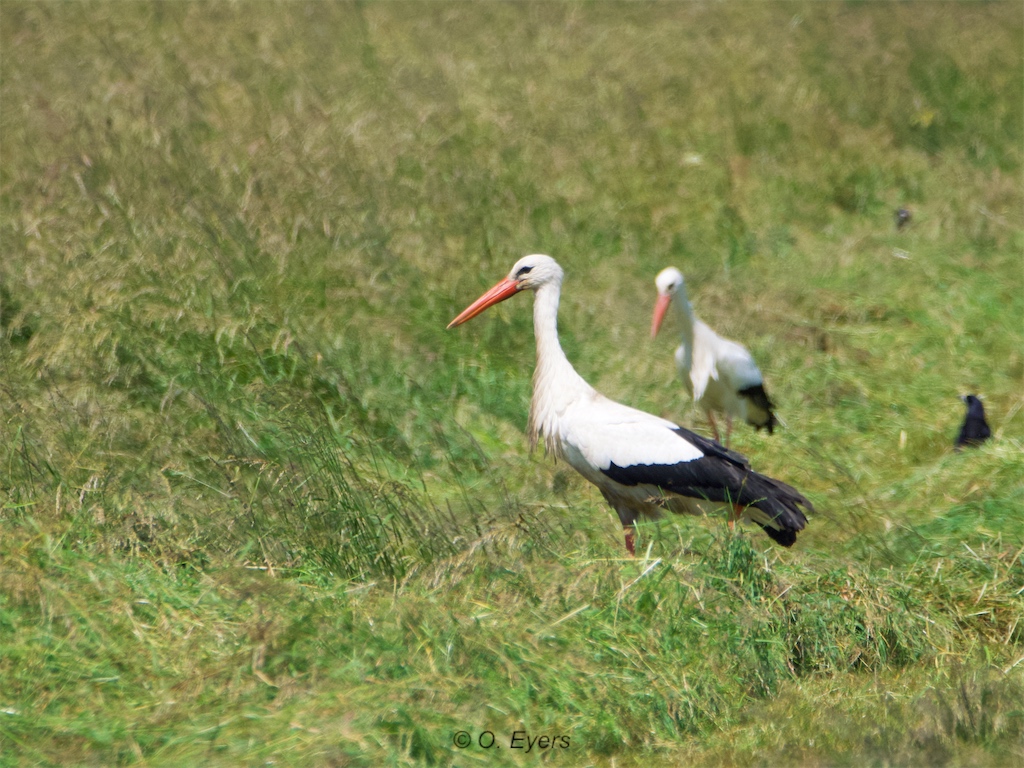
902 217
974 430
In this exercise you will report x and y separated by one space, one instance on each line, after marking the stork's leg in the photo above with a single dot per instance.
736 514
714 427
627 517
728 429
630 531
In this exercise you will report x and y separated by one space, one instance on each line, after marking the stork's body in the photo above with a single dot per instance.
720 375
642 464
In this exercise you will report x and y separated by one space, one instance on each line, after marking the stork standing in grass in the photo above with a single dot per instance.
641 463
720 375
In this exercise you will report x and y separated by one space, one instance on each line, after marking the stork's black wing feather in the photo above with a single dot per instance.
722 475
711 448
759 397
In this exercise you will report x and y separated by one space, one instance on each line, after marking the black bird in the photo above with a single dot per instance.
974 430
902 216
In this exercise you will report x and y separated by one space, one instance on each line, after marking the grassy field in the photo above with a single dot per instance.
260 507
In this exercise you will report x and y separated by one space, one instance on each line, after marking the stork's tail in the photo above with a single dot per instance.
762 415
781 507
785 537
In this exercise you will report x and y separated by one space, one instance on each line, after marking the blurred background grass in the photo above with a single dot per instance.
259 505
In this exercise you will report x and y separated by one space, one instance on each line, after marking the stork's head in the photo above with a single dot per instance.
669 281
531 272
528 274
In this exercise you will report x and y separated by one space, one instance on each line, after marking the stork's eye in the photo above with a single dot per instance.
522 271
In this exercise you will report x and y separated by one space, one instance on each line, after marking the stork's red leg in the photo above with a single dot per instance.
737 512
630 532
728 429
714 426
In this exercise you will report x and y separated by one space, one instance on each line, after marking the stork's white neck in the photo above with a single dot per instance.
556 384
684 311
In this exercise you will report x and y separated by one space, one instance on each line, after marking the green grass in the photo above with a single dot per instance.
258 506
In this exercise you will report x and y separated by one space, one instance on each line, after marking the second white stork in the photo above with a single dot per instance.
641 463
720 375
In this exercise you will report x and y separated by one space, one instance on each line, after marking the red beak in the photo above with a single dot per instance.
503 290
660 307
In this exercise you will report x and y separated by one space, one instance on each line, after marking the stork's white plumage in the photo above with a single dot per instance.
720 375
642 464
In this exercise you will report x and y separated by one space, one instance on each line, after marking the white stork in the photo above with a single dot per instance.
719 374
641 463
